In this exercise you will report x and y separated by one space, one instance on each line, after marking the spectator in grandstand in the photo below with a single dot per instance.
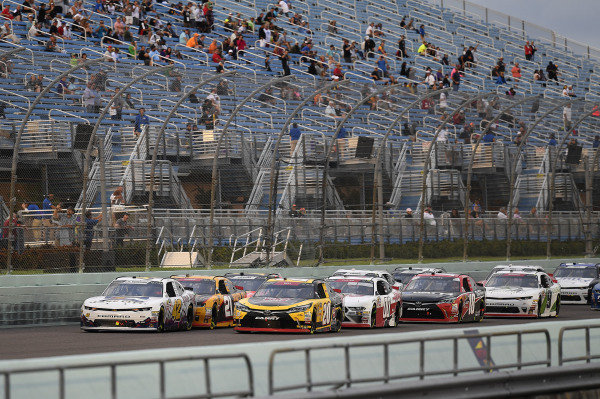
511 92
122 229
381 48
401 53
175 84
215 100
429 79
428 217
90 223
220 68
7 34
489 137
552 71
408 213
552 141
66 222
376 75
516 72
500 80
331 110
140 122
370 30
502 214
567 117
347 49
285 58
332 27
596 142
443 102
338 74
422 50
208 114
369 47
295 134
101 30
268 63
459 117
184 37
382 66
91 99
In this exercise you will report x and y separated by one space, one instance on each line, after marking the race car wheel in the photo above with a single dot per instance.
374 317
213 318
480 312
190 318
397 315
160 326
539 307
460 312
313 324
557 305
336 323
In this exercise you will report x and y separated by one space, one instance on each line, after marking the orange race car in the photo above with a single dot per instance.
215 299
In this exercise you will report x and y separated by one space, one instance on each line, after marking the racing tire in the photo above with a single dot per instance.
213 321
160 326
313 324
481 312
557 305
397 315
374 317
337 326
539 308
460 313
190 318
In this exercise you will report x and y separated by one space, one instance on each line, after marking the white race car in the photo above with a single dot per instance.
576 281
403 275
521 294
384 274
512 268
368 301
156 304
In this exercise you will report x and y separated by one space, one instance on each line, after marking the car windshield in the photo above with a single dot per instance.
200 287
352 287
433 284
129 288
248 284
404 277
576 272
286 289
513 280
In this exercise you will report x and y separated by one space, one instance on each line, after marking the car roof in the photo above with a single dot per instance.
580 265
297 280
195 277
360 271
419 269
252 275
518 272
518 267
142 279
359 278
441 275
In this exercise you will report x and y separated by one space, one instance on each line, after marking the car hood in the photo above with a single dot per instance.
122 302
358 300
573 282
510 292
428 297
274 302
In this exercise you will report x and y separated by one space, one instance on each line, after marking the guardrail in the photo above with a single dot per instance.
588 357
486 366
162 385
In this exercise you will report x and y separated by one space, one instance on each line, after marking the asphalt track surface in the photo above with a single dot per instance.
31 342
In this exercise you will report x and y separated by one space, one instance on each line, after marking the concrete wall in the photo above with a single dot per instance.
57 298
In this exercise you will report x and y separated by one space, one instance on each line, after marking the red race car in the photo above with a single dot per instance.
440 297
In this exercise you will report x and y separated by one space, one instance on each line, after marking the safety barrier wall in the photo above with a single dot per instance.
539 348
57 298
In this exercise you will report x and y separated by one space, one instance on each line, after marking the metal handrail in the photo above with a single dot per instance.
348 381
588 357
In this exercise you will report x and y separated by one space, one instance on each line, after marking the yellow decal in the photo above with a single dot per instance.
177 310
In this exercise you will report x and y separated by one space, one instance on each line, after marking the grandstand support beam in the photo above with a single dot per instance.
470 168
282 132
468 101
589 179
86 165
379 207
159 137
214 177
339 126
513 168
15 158
553 176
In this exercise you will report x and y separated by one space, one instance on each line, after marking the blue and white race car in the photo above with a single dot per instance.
140 303
576 281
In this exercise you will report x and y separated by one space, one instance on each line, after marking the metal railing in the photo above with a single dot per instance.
452 339
113 367
588 356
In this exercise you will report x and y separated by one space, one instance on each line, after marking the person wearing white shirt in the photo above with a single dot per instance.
284 7
429 218
443 101
443 136
330 110
429 79
370 30
502 214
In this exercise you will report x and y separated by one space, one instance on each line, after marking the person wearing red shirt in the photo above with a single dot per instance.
337 72
216 57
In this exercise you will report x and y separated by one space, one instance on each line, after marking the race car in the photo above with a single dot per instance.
368 301
595 297
441 297
403 275
215 299
290 305
384 274
512 268
138 303
577 281
250 282
522 294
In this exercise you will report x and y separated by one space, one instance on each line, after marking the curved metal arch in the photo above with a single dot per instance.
161 132
466 102
514 167
378 166
282 132
470 168
218 150
552 177
86 165
13 173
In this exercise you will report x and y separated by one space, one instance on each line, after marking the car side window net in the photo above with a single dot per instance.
170 290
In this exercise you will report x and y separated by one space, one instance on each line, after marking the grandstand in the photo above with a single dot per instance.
316 172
